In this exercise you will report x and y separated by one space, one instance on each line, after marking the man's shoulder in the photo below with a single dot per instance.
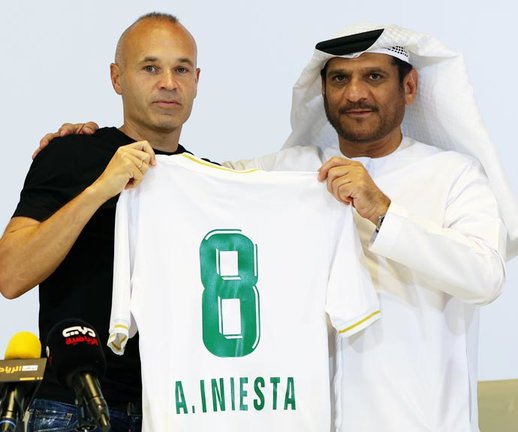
63 169
82 148
297 158
444 155
103 136
427 161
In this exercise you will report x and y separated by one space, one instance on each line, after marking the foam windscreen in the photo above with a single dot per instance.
23 345
74 347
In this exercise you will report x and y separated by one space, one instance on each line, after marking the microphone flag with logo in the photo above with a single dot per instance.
77 360
20 375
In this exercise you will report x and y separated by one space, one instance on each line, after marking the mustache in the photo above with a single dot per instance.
357 106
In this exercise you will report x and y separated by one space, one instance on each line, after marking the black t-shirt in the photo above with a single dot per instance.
81 286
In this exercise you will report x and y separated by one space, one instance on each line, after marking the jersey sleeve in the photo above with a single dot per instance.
352 303
122 324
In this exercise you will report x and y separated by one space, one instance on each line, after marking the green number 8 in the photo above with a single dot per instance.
230 301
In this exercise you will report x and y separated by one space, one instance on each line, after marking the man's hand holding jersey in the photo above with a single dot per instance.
349 182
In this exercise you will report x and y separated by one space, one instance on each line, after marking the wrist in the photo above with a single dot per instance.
382 212
95 195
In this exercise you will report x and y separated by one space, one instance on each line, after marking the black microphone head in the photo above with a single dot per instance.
74 347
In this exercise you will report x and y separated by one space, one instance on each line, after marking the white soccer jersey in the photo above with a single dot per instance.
231 279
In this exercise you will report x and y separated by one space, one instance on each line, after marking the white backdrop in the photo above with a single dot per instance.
56 53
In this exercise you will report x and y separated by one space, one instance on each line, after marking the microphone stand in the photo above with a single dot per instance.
11 420
89 418
84 420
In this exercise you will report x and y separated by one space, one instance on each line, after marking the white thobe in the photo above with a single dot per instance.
439 254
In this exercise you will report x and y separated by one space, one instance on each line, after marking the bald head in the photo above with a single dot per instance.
156 73
146 21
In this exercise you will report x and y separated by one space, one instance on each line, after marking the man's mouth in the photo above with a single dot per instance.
357 111
167 103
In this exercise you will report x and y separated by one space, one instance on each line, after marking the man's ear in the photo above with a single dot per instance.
197 81
323 86
410 87
115 77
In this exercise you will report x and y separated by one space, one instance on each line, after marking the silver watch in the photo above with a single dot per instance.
380 221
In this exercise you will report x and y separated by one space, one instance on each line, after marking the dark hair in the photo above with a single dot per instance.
402 66
158 16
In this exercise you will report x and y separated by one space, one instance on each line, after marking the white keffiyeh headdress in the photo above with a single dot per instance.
444 112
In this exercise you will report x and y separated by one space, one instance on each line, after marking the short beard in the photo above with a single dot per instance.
384 128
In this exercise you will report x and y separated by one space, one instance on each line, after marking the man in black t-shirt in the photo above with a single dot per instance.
61 234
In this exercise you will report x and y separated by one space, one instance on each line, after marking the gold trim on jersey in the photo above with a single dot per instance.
211 165
118 347
363 320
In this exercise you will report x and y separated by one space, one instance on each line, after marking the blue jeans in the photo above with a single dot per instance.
51 416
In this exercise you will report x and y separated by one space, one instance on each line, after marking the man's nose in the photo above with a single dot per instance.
356 90
168 80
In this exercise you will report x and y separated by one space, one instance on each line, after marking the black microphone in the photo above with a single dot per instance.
77 359
20 375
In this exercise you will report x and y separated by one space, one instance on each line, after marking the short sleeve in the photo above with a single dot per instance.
352 303
122 325
52 181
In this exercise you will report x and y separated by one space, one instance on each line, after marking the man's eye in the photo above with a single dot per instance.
182 70
375 76
339 78
150 68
